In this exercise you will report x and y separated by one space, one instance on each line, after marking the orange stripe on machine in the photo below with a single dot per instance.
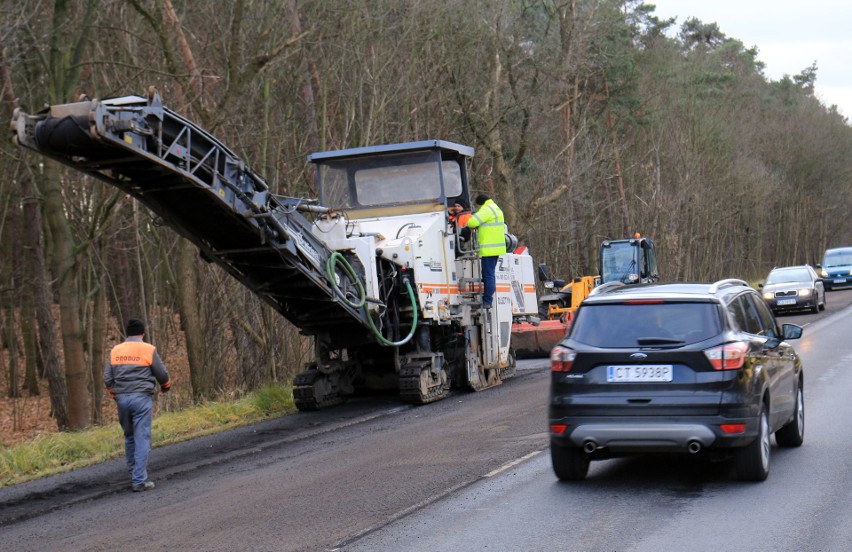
453 289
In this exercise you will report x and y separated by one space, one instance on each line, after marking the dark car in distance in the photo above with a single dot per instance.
836 268
791 288
682 368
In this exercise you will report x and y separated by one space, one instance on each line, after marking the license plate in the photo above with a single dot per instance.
640 373
840 280
786 301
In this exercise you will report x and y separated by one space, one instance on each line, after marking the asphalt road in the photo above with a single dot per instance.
661 504
467 473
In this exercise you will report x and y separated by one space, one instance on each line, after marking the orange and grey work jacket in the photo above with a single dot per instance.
135 367
461 219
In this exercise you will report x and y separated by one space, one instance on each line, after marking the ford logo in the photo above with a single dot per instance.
639 356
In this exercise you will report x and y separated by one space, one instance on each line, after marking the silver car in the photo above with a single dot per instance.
794 288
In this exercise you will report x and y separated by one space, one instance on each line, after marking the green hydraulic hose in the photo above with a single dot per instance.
388 343
330 266
329 270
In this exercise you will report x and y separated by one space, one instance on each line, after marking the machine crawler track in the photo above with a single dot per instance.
313 390
509 370
418 385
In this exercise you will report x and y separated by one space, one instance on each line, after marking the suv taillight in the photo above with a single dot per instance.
730 356
561 359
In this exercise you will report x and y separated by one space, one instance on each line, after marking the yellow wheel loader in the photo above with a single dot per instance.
629 261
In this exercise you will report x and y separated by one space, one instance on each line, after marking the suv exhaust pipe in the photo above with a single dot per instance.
694 447
589 446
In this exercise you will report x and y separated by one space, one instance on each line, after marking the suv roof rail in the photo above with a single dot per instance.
727 282
603 288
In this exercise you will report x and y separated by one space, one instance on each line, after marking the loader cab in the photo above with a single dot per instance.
396 179
629 261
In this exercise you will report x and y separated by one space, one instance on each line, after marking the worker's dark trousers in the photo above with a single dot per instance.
489 266
134 414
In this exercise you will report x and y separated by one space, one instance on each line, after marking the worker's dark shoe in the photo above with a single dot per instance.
146 486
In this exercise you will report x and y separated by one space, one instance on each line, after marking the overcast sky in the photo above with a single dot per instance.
790 35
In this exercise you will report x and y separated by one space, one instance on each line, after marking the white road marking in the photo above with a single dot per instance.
513 463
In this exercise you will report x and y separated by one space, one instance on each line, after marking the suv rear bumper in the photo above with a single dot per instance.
601 435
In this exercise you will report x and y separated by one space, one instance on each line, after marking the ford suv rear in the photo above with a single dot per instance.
675 368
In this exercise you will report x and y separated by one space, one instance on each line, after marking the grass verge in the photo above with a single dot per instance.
54 453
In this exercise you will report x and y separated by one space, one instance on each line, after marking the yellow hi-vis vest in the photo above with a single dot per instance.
492 229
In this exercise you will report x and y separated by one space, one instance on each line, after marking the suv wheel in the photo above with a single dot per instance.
793 434
569 463
753 459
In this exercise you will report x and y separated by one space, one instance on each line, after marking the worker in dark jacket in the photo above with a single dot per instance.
459 213
133 373
492 243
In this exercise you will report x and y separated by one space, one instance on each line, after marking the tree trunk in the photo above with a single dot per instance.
11 341
9 283
65 269
193 326
619 182
42 297
29 209
314 139
98 356
507 201
123 243
28 316
30 342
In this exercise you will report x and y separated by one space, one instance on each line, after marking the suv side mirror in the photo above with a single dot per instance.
791 331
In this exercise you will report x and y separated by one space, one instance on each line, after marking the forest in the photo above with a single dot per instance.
590 119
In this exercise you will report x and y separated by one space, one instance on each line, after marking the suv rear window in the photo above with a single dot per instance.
645 323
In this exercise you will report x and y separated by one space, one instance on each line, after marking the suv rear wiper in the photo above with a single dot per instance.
659 341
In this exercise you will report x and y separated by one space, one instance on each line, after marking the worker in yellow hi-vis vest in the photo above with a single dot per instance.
492 242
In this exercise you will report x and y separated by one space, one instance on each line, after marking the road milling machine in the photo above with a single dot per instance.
372 268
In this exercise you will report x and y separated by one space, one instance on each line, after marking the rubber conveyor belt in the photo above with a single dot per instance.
202 190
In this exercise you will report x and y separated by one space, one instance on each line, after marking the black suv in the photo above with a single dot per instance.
675 368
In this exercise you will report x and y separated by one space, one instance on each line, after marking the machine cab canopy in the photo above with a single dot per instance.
628 261
414 177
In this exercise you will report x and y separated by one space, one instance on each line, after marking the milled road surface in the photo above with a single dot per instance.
305 482
459 474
